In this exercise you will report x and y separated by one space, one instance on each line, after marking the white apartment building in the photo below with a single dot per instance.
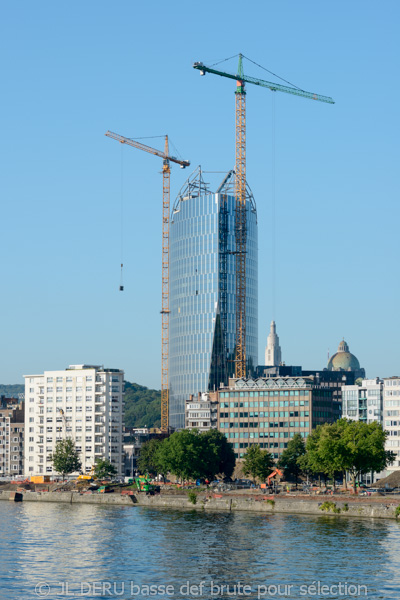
201 412
391 419
363 402
83 402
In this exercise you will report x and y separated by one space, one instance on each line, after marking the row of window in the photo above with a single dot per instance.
270 393
272 414
263 424
264 404
261 434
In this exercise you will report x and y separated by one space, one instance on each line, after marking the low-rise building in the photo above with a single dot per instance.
363 402
269 411
83 402
201 411
11 437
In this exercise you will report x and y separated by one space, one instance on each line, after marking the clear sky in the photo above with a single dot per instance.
70 71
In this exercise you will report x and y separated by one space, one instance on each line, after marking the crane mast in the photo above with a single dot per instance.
240 191
240 225
166 173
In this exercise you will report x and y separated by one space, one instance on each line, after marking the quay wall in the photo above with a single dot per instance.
341 507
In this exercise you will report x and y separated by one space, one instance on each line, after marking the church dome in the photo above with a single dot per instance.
343 360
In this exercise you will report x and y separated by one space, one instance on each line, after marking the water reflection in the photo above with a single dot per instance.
63 543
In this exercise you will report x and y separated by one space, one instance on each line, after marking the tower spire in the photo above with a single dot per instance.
273 354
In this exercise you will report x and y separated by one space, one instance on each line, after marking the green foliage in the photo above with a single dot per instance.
218 455
257 463
104 468
289 460
345 507
189 454
329 506
65 458
181 454
351 446
397 511
271 502
192 497
12 390
149 460
142 406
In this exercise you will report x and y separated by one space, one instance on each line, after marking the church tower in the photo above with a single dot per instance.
273 355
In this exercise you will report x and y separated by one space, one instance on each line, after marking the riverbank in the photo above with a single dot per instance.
381 508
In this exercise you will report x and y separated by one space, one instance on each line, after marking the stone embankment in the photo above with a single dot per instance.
382 508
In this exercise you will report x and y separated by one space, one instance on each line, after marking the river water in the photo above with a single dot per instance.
60 551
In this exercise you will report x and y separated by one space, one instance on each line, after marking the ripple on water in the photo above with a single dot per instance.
87 543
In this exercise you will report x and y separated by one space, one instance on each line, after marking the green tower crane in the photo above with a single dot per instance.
240 192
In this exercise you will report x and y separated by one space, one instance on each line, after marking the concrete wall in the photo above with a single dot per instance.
262 504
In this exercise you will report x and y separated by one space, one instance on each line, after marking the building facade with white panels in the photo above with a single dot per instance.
83 402
201 412
363 402
391 419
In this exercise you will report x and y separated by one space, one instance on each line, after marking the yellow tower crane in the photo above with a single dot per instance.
240 192
166 172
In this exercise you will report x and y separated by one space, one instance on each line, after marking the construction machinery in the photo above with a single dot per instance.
87 476
166 172
274 474
240 192
143 484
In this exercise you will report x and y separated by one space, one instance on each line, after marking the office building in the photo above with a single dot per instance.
11 437
268 412
391 419
202 290
363 402
83 402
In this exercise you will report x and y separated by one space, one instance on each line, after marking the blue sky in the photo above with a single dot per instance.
70 71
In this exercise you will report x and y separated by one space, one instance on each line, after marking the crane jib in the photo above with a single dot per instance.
275 87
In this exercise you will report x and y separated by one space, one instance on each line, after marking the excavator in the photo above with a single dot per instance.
273 474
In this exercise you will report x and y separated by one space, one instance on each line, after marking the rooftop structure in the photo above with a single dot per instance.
273 354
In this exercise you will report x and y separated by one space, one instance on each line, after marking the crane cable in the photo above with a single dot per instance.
273 210
121 283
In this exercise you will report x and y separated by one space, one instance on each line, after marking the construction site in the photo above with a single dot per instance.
209 303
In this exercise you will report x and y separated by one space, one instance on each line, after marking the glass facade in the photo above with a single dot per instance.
202 292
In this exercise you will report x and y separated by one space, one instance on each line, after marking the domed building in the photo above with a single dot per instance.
344 360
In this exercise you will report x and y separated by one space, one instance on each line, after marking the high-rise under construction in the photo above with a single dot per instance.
202 290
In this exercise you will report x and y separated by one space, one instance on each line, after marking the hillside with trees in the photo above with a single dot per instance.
12 391
142 406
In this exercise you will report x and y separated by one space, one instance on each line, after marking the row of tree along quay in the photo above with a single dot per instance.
344 447
66 460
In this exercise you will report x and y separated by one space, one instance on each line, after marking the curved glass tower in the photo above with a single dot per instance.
202 291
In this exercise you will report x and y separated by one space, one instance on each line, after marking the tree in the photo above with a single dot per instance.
104 468
362 447
182 454
323 450
289 459
351 446
65 458
148 461
218 455
257 463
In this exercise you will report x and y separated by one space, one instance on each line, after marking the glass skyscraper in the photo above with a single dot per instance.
202 290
